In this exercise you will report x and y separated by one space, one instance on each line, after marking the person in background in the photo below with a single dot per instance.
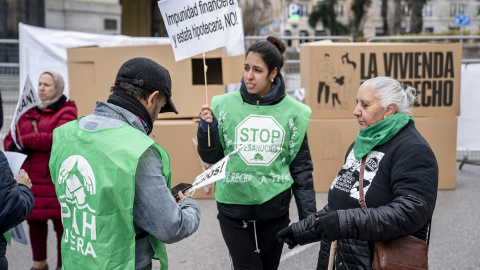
106 169
16 203
253 201
34 136
16 200
400 182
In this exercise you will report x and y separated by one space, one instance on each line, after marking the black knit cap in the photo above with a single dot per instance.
149 75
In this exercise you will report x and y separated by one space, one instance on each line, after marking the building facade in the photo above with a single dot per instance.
261 17
438 16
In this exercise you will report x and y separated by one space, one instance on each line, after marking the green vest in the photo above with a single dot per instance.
94 177
274 135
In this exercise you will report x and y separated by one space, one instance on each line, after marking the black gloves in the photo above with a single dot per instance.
286 235
299 233
321 226
327 226
13 148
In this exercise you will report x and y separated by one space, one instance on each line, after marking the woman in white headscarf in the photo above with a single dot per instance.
34 136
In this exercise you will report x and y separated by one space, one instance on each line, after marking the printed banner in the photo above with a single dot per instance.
215 173
197 26
332 74
28 99
44 49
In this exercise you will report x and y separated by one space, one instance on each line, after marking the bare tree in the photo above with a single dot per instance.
256 14
359 8
384 14
397 17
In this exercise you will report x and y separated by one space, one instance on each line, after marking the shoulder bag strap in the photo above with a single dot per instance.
361 200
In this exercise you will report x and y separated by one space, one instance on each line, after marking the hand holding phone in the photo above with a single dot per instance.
182 187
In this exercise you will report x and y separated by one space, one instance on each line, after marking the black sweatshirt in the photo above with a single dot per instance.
301 169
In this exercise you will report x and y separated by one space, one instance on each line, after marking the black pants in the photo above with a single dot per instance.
242 245
3 250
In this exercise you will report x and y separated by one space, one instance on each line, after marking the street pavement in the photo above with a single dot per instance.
454 239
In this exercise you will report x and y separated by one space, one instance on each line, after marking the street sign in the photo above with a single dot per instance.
462 20
294 11
277 25
263 31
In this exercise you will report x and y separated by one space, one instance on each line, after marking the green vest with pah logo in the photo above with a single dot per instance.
273 135
94 177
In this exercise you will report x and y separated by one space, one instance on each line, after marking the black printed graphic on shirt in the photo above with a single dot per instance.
347 180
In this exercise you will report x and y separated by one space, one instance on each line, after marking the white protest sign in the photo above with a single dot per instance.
28 99
213 174
198 26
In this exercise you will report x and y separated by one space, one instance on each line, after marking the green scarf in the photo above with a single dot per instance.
379 133
8 237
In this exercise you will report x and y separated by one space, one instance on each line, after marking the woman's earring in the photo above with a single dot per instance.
272 80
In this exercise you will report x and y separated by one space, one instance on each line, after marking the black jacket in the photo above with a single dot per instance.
16 201
401 195
301 168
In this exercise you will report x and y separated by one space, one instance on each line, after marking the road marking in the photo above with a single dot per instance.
295 251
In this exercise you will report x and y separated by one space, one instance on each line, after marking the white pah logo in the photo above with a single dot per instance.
78 175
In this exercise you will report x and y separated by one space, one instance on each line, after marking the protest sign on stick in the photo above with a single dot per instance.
28 99
199 26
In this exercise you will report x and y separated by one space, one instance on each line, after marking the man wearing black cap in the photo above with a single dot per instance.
113 181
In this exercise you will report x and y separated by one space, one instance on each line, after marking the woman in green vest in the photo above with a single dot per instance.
275 163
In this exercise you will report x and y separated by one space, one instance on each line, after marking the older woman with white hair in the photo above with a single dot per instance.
34 135
399 176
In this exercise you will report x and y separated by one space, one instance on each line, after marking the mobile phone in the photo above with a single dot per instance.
180 187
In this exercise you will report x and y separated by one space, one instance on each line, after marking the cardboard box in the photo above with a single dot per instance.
176 137
92 71
329 140
332 73
441 134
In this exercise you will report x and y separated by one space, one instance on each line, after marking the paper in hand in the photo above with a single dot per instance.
215 173
15 161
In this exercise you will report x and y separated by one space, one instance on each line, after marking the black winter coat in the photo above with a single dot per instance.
301 169
401 194
16 201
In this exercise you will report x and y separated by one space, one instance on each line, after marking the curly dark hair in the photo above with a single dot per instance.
271 51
